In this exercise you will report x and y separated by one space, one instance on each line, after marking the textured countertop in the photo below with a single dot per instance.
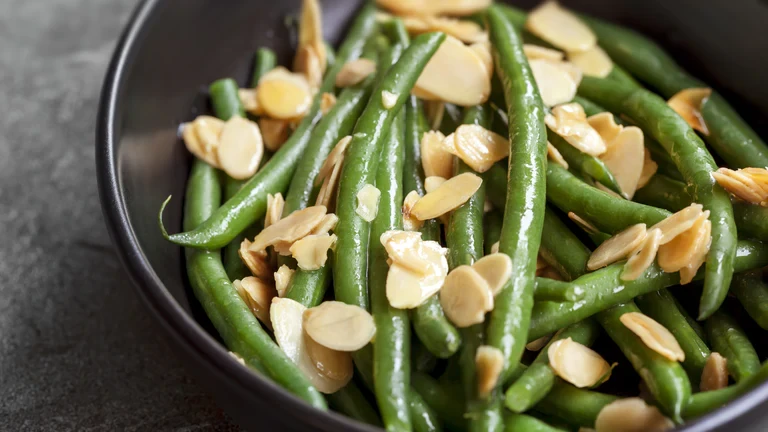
77 349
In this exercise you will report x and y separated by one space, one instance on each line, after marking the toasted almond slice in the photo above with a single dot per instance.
631 415
327 102
447 196
388 99
327 194
495 248
605 125
334 365
577 364
688 272
368 202
289 229
201 138
624 158
489 362
326 225
749 180
617 247
496 269
682 250
583 223
284 95
410 223
715 373
654 335
740 185
649 169
643 257
311 31
534 52
434 158
339 326
240 148
478 147
434 7
679 222
554 155
274 132
249 100
307 63
334 157
283 277
560 27
311 252
256 261
435 111
354 72
537 344
592 62
407 249
464 30
406 289
556 85
688 102
455 74
465 297
483 52
257 295
570 122
275 205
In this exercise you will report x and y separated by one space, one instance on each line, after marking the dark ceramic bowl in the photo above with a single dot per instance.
171 50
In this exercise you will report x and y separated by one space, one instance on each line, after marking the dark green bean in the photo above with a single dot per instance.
561 249
752 293
264 61
351 402
557 291
586 164
695 325
447 402
706 402
578 407
423 417
330 55
525 423
491 226
728 339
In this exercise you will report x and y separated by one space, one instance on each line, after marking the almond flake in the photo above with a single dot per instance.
354 72
283 277
592 62
308 64
327 102
688 272
339 326
534 52
478 147
417 268
311 34
679 222
311 252
434 7
464 30
643 257
407 249
257 295
334 365
649 169
715 373
256 261
368 202
617 247
748 184
410 223
326 225
435 160
289 229
334 157
554 155
275 205
682 249
577 364
560 27
605 125
326 196
495 248
249 100
583 223
631 415
201 138
489 362
448 196
654 335
496 269
556 85
435 111
570 122
466 297
537 344
483 52
687 103
284 95
388 99
274 132
624 158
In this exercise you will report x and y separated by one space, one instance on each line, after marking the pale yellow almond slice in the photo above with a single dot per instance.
682 249
250 101
495 247
434 7
256 261
334 157
435 111
570 122
407 249
274 132
617 247
560 27
624 158
327 193
307 63
649 169
275 205
289 229
489 362
715 373
537 344
554 155
465 297
496 269
583 223
643 258
483 52
240 148
201 137
592 62
577 364
679 222
332 364
759 176
687 103
478 147
435 160
339 326
284 95
327 102
740 185
447 196
354 72
654 335
326 225
556 85
571 69
311 31
605 125
455 74
688 272
311 252
749 180
466 31
368 202
410 223
283 277
433 182
388 99
534 52
257 295
631 415
237 357
408 290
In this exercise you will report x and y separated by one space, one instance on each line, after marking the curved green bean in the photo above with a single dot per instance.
576 406
728 339
752 293
525 423
446 402
561 249
586 164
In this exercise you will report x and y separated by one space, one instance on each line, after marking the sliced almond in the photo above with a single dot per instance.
388 99
410 223
435 111
435 160
495 248
434 7
483 52
465 297
454 74
496 269
283 277
715 373
368 202
308 63
583 223
605 125
617 247
687 103
554 155
631 415
688 272
577 364
556 85
249 100
257 295
534 52
679 222
407 249
560 27
489 362
326 196
311 252
326 225
237 357
537 344
354 72
284 95
447 196
682 249
570 122
334 365
201 138
334 157
256 261
274 132
327 102
311 33
592 62
750 186
643 258
464 30
608 191
275 205
654 335
339 326
289 229
624 158
649 169
478 147
433 182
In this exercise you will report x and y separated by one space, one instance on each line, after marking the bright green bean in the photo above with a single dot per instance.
578 407
728 339
752 293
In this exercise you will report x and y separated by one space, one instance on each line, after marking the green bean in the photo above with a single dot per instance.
752 293
706 402
525 423
621 76
351 402
423 416
524 209
447 403
695 325
665 378
330 55
491 226
751 220
728 339
249 204
578 407
561 249
421 359
586 164
350 274
264 61
534 384
557 291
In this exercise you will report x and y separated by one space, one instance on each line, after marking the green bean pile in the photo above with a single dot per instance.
469 217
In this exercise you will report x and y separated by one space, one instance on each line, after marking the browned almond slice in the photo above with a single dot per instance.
289 229
679 222
308 64
339 326
605 125
554 155
577 364
311 32
256 261
447 196
327 102
326 225
368 202
654 335
534 52
201 138
687 103
649 169
257 295
283 277
410 223
284 95
688 272
311 252
556 85
751 180
715 373
335 365
489 362
240 148
434 7
455 74
435 160
496 269
334 157
740 185
682 249
592 62
617 247
274 132
560 27
624 158
250 101
631 415
327 194
583 223
478 147
537 344
643 258
465 297
570 122
354 72
275 205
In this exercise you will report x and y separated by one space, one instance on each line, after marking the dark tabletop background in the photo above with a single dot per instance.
77 349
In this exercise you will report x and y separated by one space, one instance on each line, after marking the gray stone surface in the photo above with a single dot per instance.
77 349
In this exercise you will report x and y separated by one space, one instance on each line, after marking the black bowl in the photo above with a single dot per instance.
169 53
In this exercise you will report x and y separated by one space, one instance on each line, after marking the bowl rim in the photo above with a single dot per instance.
174 318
